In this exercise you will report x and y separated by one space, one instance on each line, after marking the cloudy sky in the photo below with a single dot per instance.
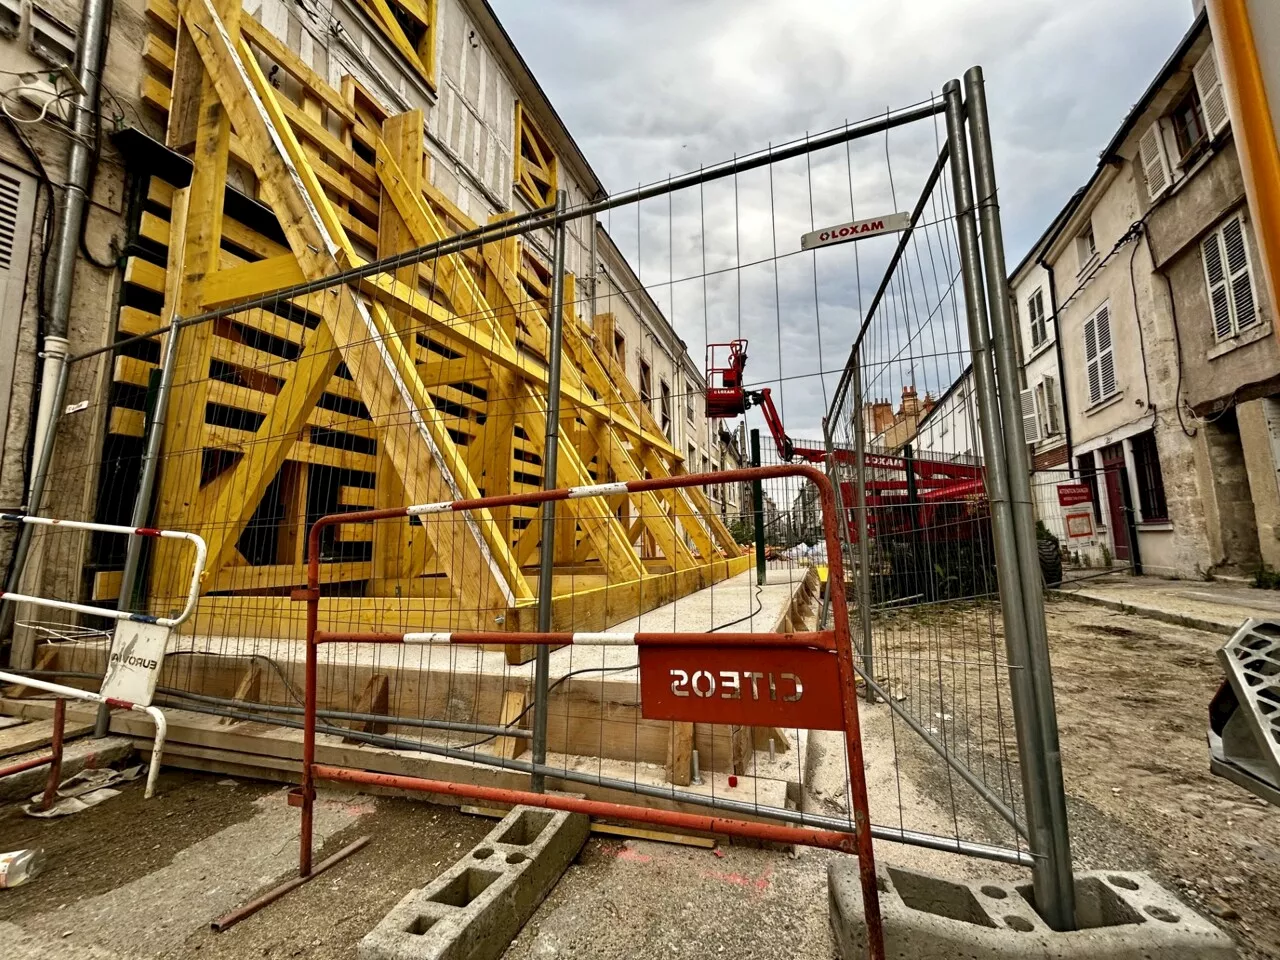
661 87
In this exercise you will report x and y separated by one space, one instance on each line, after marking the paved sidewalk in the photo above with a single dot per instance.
1218 606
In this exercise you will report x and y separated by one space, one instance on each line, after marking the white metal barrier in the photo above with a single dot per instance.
138 643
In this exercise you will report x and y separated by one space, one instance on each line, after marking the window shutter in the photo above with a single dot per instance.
1237 247
1030 420
1155 161
1216 279
1091 359
1213 99
1053 416
1106 358
17 211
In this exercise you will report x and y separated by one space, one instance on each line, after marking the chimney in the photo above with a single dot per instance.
910 403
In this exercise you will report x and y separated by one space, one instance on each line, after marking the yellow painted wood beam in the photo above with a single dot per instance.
421 449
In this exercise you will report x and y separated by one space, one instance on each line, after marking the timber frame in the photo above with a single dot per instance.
426 385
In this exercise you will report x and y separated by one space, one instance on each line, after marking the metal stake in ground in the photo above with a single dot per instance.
757 510
864 547
1019 467
1055 901
546 566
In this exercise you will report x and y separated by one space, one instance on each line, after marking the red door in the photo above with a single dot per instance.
1117 480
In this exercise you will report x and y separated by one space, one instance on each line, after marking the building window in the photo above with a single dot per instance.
1100 361
1035 314
646 383
1188 128
536 163
1229 279
620 350
1086 247
410 26
664 407
1089 477
1049 407
690 409
1146 464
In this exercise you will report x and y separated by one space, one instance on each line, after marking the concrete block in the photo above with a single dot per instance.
475 909
1122 916
84 753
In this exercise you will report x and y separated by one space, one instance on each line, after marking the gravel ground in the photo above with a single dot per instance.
132 879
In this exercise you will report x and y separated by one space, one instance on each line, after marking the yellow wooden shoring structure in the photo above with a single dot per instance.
483 313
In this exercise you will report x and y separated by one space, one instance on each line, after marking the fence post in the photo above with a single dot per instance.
1004 340
860 500
757 510
550 459
141 516
1055 901
22 659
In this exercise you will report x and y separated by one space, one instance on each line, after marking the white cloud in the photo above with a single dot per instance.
665 86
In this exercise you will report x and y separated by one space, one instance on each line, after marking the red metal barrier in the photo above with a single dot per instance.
800 666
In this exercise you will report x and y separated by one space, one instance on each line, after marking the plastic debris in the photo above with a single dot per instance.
19 866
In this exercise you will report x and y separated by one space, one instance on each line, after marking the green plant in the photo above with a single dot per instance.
1264 578
1106 557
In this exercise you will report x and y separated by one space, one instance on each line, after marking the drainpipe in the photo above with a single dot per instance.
1062 368
90 57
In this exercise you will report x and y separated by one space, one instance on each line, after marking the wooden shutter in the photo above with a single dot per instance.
1091 359
1213 100
1215 276
1030 419
1155 161
1236 245
1106 358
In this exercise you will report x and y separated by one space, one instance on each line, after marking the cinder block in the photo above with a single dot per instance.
475 909
1122 916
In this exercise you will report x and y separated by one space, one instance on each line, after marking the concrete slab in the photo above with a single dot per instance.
1123 916
77 755
475 909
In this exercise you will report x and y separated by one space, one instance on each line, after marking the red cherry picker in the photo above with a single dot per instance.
905 494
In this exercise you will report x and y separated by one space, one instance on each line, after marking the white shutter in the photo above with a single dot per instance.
1030 420
1155 161
1216 280
1091 359
1106 357
1053 416
1242 300
1213 100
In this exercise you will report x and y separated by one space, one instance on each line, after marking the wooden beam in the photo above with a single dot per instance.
363 336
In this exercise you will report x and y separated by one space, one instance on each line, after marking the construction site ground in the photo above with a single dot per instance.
132 879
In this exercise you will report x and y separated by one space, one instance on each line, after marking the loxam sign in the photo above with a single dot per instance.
858 230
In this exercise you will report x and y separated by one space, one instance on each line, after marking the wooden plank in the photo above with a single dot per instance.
354 533
155 93
301 451
135 322
106 584
250 280
373 699
255 401
680 754
249 689
35 735
157 53
356 496
145 274
124 422
164 12
513 710
241 579
132 371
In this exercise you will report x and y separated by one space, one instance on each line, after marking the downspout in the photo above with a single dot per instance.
1062 369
